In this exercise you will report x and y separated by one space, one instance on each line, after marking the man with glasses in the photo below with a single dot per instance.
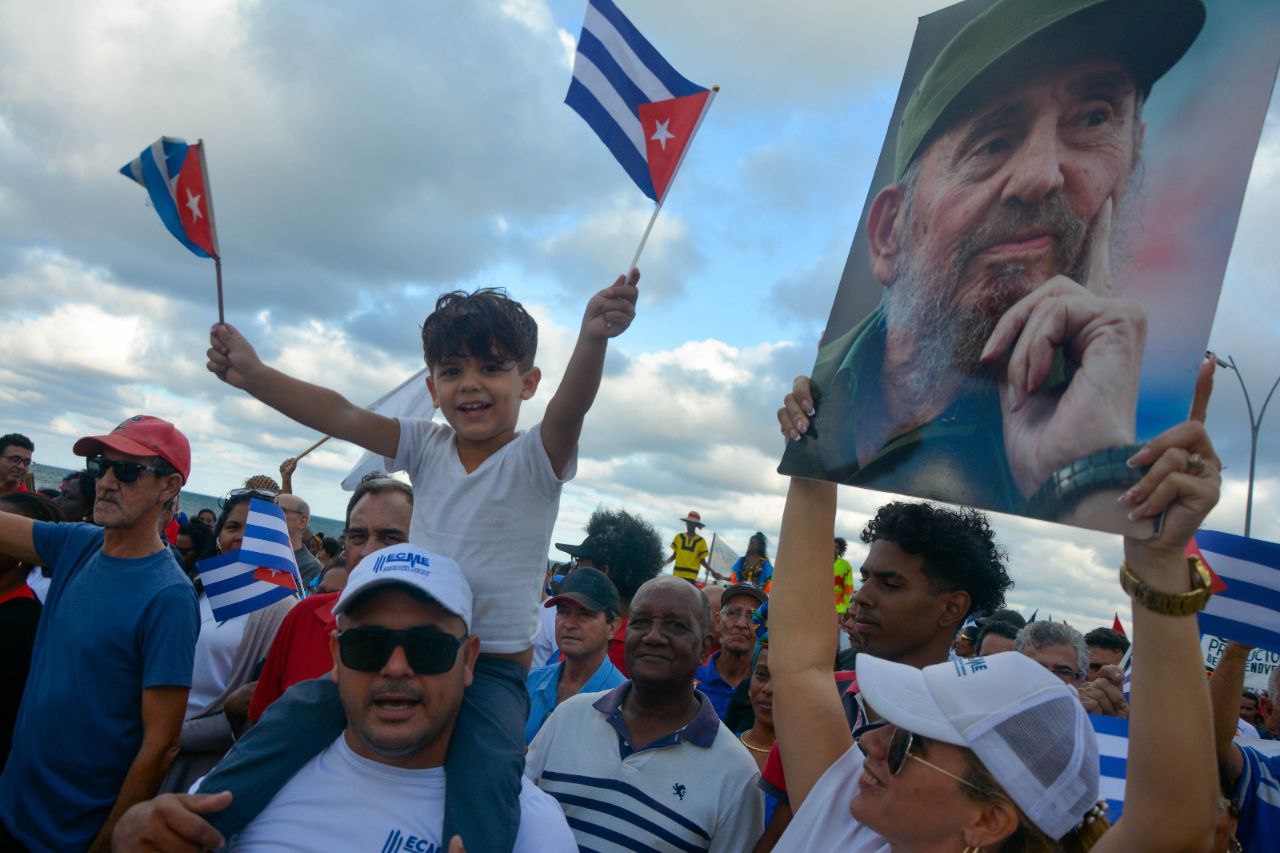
15 462
402 656
102 712
726 669
297 516
1057 647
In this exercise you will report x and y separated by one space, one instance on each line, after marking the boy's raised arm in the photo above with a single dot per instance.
233 360
608 315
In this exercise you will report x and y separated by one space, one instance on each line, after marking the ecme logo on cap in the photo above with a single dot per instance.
968 666
405 561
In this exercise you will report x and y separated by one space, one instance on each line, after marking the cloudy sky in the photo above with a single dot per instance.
366 157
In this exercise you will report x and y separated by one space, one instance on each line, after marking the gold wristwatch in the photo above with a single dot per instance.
1169 603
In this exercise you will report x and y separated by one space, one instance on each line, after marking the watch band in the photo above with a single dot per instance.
1169 603
1106 469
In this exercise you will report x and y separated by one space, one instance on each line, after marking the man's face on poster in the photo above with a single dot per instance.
1001 201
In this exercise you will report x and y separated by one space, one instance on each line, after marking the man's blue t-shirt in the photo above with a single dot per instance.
110 628
709 681
1257 795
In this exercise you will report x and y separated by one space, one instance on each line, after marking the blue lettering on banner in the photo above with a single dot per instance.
398 842
967 666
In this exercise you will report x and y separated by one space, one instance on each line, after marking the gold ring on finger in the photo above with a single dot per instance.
1195 464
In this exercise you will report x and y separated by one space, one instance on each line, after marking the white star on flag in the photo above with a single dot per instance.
193 204
662 134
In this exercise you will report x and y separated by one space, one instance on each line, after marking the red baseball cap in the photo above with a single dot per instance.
142 435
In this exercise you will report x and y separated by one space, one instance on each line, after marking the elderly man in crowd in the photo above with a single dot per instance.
649 765
587 617
297 516
402 656
102 713
15 462
1057 647
731 664
1001 368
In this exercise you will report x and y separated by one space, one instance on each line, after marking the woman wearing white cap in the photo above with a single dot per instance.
996 753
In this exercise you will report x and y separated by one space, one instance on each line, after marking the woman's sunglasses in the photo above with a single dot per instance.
126 472
429 651
906 744
262 494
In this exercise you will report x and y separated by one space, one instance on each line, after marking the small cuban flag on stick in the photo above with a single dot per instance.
177 180
635 101
1113 759
1245 574
259 573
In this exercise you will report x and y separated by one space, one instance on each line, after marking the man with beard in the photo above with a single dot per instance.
1001 368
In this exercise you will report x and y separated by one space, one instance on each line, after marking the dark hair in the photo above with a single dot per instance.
84 485
1246 693
16 439
1000 629
957 545
842 545
486 323
229 503
628 545
1107 638
33 505
376 484
202 539
331 546
764 544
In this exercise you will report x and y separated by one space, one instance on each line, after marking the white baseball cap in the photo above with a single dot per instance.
1026 727
413 567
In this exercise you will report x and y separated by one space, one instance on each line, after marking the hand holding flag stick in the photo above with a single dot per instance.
177 180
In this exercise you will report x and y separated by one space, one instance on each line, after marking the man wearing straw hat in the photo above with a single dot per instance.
689 550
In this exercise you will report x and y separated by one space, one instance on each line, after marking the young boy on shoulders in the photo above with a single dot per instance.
485 495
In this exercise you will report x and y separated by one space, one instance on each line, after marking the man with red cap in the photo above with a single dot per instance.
102 713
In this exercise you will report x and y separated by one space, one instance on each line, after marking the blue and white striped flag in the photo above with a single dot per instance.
639 106
1245 605
1113 754
260 573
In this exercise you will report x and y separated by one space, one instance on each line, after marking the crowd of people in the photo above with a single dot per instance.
436 684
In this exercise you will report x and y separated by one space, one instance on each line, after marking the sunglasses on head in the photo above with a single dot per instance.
429 651
263 494
126 472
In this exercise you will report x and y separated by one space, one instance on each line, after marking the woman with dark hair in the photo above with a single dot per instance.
754 566
19 615
195 542
228 656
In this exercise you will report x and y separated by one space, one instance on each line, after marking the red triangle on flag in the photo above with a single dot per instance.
1117 626
283 579
1216 584
192 198
668 126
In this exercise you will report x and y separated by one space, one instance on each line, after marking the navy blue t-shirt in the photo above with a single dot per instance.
110 628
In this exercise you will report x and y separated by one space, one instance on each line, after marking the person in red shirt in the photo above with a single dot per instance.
377 516
15 462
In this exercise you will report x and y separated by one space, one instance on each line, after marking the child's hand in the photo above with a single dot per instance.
611 311
231 356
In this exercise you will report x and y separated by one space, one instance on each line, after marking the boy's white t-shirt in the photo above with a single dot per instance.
495 522
343 801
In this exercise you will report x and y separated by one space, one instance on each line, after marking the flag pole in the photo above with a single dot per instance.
711 96
375 404
213 228
312 447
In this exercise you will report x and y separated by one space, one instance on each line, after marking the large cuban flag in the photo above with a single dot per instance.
175 178
639 106
261 572
1245 605
1113 760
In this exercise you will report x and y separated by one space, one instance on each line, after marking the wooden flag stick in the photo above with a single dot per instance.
217 268
711 96
313 447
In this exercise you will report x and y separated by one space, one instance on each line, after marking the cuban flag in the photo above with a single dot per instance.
639 106
261 572
1245 605
175 177
1113 755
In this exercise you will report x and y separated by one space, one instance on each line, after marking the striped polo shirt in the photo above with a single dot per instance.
694 789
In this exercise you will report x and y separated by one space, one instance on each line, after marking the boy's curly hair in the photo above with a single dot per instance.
485 323
628 545
958 546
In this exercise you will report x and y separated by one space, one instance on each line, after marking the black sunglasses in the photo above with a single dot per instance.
429 651
126 472
262 494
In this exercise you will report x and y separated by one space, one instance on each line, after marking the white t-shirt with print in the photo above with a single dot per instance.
823 821
495 522
342 801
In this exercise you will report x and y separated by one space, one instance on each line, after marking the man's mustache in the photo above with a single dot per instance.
1011 222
